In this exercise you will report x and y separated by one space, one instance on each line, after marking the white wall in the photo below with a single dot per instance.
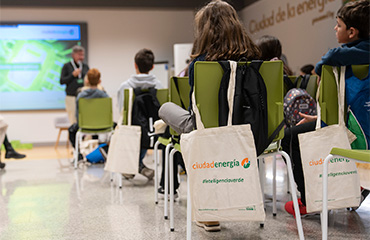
114 37
303 39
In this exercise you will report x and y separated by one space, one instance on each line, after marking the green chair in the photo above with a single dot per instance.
179 94
162 96
328 97
207 90
311 86
328 100
95 116
207 77
355 155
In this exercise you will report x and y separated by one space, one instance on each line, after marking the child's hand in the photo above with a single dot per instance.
306 118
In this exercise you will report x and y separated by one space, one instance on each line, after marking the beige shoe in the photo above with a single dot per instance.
147 172
209 226
128 176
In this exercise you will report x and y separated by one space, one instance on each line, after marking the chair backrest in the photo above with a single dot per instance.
62 122
95 113
328 96
207 79
162 96
311 86
180 94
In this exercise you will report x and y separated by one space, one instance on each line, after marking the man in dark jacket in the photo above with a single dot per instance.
72 75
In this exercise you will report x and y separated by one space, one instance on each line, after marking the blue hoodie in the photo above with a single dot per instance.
353 53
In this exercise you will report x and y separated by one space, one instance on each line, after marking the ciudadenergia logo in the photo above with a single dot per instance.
222 164
246 163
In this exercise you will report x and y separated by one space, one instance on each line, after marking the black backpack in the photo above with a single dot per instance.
250 102
144 113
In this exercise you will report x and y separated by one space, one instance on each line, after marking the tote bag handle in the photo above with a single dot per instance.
341 93
230 98
129 113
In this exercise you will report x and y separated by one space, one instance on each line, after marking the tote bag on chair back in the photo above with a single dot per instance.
343 183
124 149
222 170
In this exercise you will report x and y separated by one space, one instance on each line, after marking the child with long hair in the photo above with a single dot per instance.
219 35
271 50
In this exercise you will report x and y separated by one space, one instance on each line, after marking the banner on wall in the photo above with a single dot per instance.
290 11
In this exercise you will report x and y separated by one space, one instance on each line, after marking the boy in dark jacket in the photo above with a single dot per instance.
352 29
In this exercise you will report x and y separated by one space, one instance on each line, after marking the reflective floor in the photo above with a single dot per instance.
48 199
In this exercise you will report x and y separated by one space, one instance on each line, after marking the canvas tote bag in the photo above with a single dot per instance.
124 148
221 164
343 181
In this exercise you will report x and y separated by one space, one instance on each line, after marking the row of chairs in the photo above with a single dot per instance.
207 80
207 77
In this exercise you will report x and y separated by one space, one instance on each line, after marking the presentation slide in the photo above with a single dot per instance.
31 59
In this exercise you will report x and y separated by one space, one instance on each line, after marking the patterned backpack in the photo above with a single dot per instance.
298 100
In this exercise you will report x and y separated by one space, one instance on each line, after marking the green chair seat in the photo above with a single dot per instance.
361 155
164 141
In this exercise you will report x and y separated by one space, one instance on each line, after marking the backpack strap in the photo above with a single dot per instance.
137 91
305 80
176 81
256 64
276 132
223 106
288 83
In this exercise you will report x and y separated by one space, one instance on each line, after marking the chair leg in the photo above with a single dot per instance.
262 178
287 182
67 142
58 138
119 175
274 187
77 140
168 147
188 213
294 194
77 181
324 213
156 160
172 227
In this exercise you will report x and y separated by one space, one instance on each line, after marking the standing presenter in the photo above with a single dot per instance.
73 73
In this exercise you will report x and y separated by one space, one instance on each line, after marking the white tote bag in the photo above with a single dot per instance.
221 164
124 148
343 182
